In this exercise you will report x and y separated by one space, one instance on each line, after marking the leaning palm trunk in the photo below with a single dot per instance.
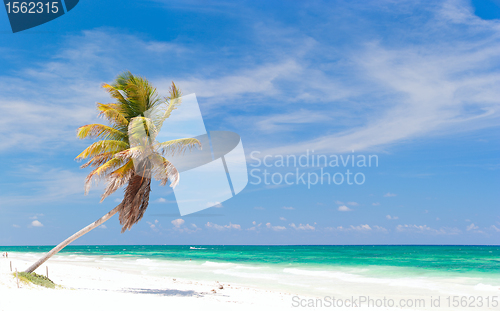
75 236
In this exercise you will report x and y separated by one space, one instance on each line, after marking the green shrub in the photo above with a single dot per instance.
36 279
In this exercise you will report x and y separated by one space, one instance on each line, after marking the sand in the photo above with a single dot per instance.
84 287
94 288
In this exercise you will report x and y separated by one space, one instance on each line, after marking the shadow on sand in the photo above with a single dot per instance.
162 292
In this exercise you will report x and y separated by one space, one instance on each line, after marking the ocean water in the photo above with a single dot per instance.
307 270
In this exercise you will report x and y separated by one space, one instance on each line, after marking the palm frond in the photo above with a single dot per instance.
101 171
115 93
135 201
118 178
113 113
131 153
172 147
142 131
164 171
174 100
99 131
103 146
99 159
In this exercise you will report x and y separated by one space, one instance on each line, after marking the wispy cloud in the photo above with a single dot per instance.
275 228
306 227
222 227
359 228
494 228
177 222
427 229
36 223
472 227
43 184
344 208
286 122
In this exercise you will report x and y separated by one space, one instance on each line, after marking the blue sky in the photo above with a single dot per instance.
413 82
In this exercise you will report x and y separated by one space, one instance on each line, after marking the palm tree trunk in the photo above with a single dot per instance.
75 236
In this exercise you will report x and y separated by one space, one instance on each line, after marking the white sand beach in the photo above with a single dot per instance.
94 288
85 285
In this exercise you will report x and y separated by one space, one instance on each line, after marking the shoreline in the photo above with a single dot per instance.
122 281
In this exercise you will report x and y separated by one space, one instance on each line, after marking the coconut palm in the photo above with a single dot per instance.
127 152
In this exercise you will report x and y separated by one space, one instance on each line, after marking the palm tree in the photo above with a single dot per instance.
127 152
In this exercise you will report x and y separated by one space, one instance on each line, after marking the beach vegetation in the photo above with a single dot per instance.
36 279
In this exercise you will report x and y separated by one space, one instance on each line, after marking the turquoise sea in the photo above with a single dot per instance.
311 270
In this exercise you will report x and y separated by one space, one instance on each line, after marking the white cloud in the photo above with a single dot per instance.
283 122
255 226
45 184
16 226
257 81
36 223
376 204
391 217
275 228
305 227
288 208
427 229
339 202
352 203
283 218
178 226
416 89
259 208
222 227
472 227
161 200
344 208
359 228
494 228
388 195
378 228
177 222
442 83
103 227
